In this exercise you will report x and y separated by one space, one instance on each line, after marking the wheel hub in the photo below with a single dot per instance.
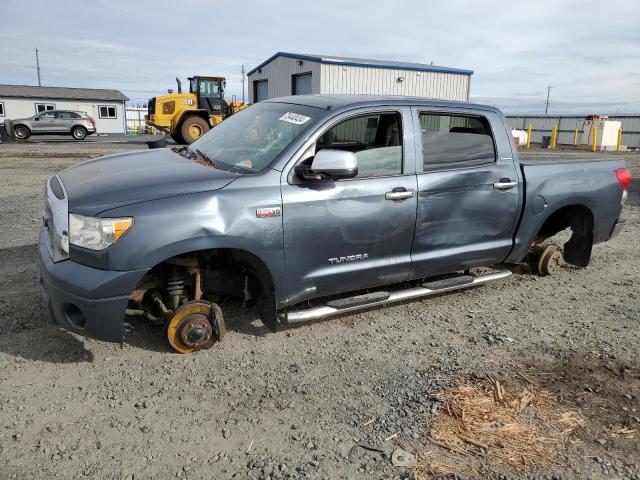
195 131
195 330
194 326
550 260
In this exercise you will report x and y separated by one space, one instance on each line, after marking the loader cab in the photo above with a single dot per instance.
210 94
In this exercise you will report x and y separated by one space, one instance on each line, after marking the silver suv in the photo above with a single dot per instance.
55 122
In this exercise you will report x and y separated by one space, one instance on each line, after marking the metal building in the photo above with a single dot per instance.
295 74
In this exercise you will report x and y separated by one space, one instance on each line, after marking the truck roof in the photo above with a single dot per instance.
339 101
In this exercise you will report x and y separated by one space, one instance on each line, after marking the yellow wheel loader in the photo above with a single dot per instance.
188 116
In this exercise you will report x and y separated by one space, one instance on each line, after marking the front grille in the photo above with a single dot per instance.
151 106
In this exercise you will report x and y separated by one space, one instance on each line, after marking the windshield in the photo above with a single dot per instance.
252 138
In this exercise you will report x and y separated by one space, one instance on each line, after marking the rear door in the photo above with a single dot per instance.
63 121
468 191
351 234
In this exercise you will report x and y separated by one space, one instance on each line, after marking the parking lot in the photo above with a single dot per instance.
294 403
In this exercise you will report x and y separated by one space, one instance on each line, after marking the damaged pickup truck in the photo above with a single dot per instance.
308 207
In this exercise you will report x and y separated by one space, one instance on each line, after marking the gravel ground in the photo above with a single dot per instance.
292 404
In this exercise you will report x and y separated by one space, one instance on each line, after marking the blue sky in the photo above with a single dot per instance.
589 51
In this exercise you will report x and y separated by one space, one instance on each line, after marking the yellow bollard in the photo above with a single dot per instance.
554 136
594 140
575 137
529 136
619 142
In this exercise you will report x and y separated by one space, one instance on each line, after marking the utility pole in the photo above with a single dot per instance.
242 82
38 67
546 105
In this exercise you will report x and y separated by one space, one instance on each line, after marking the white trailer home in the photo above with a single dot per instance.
105 106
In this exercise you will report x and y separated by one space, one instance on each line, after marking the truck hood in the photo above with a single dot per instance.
123 179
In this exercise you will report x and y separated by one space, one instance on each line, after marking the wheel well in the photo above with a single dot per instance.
223 272
20 125
579 218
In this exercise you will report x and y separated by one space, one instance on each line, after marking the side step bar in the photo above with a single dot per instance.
383 298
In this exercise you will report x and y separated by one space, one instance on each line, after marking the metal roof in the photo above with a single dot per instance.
335 102
26 91
363 62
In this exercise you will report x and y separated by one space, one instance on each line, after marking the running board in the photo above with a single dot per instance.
383 298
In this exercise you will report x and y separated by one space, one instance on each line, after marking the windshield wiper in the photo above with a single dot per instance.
204 156
199 153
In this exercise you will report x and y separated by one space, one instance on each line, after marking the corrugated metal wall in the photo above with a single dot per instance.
278 73
329 78
384 81
541 126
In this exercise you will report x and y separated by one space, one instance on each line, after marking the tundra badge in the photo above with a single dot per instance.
349 258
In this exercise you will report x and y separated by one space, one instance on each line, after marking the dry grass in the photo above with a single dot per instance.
485 428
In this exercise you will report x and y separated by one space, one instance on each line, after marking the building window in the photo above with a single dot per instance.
107 111
1 109
44 107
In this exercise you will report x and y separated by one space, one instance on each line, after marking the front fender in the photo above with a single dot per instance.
226 218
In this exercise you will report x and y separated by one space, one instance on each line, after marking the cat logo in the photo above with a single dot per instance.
349 258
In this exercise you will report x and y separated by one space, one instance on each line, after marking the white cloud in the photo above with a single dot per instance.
587 52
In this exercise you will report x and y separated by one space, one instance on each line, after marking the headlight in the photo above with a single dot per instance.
96 233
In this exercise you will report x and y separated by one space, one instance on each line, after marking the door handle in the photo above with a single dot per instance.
399 194
505 184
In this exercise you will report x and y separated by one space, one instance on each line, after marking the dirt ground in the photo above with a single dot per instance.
294 403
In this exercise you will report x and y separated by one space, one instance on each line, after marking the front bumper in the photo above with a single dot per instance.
85 300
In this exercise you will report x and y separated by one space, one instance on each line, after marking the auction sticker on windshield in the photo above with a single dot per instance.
294 118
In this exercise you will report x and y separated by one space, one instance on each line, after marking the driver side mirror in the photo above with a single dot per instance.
334 164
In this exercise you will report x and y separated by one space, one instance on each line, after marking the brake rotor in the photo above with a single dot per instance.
550 260
194 326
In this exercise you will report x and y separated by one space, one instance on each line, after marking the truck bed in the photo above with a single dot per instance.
562 181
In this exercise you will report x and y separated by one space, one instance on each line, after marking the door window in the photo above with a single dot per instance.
455 141
375 139
210 89
47 116
66 115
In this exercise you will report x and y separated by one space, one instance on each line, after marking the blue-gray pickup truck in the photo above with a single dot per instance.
308 207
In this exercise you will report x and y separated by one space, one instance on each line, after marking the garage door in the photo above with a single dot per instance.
260 90
302 84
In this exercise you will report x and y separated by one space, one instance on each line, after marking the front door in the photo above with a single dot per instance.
351 234
44 122
468 192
